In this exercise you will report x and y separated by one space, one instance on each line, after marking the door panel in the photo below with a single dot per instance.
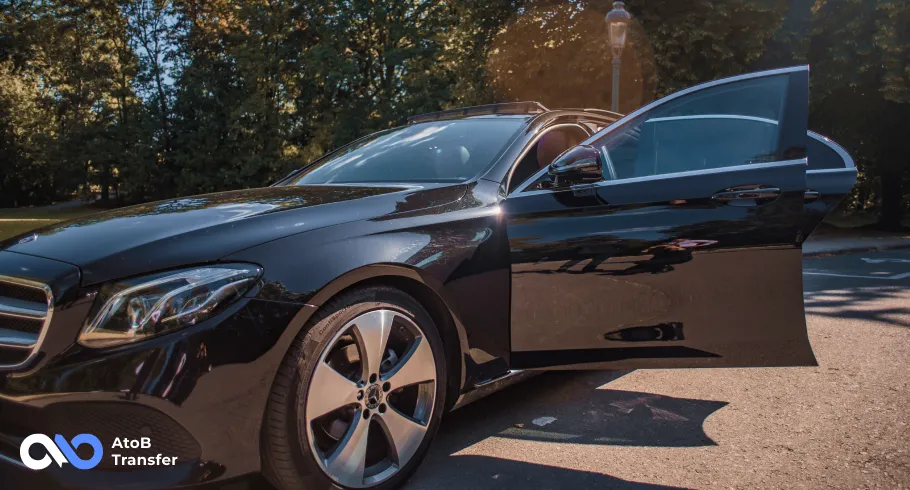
830 176
651 269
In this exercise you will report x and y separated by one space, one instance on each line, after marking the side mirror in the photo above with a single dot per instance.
579 165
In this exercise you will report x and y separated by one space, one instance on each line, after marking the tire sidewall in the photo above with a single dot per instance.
315 340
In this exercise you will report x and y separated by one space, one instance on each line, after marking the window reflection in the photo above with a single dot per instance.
440 151
718 127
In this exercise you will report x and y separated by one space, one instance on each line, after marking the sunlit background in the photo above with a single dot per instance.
124 101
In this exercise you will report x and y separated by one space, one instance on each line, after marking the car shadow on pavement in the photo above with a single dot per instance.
583 414
859 304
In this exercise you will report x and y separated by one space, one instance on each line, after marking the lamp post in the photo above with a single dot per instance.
618 21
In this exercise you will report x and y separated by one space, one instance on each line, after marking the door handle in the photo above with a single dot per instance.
811 196
753 192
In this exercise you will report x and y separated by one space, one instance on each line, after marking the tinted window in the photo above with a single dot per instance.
822 156
544 151
723 126
439 151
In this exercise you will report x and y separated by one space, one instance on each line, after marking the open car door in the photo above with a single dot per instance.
683 249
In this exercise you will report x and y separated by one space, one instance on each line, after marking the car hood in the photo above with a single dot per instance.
199 229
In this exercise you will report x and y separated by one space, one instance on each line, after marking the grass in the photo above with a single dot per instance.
20 220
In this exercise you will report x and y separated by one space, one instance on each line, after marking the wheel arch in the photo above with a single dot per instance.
428 292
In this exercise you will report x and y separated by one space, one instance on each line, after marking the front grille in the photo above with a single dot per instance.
21 292
25 311
11 357
19 324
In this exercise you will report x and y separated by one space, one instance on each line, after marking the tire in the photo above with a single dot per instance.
297 451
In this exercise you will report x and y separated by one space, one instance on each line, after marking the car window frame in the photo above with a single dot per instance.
849 164
625 120
533 141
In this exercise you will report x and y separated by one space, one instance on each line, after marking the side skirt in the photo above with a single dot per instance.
493 385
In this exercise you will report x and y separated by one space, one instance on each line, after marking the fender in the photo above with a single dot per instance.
377 271
462 262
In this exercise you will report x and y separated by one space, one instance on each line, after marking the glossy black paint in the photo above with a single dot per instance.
198 229
591 265
580 165
441 243
511 281
452 251
209 381
691 269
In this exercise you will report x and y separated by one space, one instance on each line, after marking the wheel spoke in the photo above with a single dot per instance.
417 366
347 462
404 434
329 390
372 334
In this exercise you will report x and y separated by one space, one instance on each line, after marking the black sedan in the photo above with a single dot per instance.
317 330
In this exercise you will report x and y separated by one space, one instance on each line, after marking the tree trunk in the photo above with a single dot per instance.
105 182
892 200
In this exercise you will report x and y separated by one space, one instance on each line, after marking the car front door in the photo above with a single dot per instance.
687 252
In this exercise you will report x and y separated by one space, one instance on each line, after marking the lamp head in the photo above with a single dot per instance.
618 21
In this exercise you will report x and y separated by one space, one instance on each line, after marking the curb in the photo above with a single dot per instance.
830 253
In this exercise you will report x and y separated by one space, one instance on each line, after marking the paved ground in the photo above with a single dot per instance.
844 240
843 424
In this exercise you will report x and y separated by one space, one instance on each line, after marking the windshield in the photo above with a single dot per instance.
439 151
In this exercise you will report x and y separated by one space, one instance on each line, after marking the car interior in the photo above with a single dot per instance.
547 148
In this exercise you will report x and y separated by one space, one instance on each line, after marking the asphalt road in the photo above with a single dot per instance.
843 424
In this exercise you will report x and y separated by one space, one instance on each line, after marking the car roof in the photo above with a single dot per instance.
525 110
507 108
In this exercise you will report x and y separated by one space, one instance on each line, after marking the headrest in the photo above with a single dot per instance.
550 146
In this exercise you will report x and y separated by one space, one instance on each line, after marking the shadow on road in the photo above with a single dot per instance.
860 304
584 415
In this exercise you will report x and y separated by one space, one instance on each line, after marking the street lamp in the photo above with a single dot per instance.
618 20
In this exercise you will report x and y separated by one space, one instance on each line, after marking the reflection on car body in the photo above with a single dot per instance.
338 313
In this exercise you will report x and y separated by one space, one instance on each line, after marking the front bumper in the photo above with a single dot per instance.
197 395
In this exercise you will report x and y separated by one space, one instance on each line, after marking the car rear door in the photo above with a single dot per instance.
830 176
688 253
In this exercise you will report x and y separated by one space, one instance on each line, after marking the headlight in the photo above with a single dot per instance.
136 309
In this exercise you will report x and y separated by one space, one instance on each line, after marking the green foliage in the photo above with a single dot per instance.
699 40
146 99
860 53
65 97
557 52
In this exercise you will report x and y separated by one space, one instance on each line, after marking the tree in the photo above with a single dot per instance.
380 62
557 52
150 99
66 80
860 54
151 28
470 45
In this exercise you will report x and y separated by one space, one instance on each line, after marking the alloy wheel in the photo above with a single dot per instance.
371 398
